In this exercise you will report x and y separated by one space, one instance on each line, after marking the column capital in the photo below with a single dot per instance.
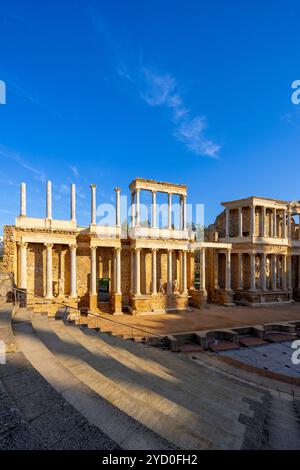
93 248
154 250
93 186
22 244
48 245
117 189
73 245
118 248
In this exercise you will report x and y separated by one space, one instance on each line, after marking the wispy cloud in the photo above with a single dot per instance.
19 159
162 90
74 170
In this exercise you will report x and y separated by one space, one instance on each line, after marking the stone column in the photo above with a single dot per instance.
118 270
137 214
283 272
23 200
274 272
49 280
118 207
263 272
240 221
216 270
169 211
289 223
240 271
23 265
202 270
93 204
73 202
263 221
284 223
154 225
132 211
184 272
228 271
184 212
274 223
73 289
253 221
138 271
252 274
289 272
93 286
170 273
49 200
154 278
227 222
132 270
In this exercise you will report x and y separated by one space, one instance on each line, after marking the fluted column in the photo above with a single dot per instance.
73 289
227 222
274 272
169 210
118 270
23 265
137 219
252 221
184 272
283 272
93 204
93 286
202 270
118 207
170 272
252 272
137 271
228 270
263 272
49 200
289 272
240 271
289 223
154 277
49 280
23 200
132 270
184 212
274 223
284 223
263 221
132 210
154 209
73 202
240 221
216 270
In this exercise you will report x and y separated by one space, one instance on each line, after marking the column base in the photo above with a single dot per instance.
93 302
116 303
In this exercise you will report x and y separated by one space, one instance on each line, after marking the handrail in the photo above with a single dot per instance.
97 316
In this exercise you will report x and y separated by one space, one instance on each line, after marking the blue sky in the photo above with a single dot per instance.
193 92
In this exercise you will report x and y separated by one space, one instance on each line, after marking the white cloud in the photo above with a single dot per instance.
74 170
15 156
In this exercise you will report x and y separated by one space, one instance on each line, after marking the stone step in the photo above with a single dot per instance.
122 429
171 417
192 395
179 426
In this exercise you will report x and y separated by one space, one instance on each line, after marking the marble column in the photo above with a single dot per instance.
93 286
263 222
49 280
132 270
169 211
137 213
227 222
289 224
284 223
154 275
263 272
202 270
23 265
252 272
289 272
253 221
49 200
240 221
73 290
240 271
138 271
154 225
93 204
274 223
283 272
118 207
184 212
73 202
228 271
216 270
132 210
23 200
274 272
184 272
170 273
118 270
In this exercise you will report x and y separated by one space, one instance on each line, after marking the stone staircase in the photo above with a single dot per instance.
141 397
